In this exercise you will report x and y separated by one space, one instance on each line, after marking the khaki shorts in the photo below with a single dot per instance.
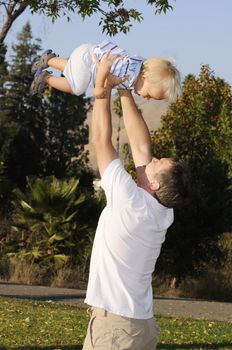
107 331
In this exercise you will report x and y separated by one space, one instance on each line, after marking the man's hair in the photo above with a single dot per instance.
163 72
175 184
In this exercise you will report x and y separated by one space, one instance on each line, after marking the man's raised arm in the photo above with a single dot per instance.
102 132
137 130
101 117
102 125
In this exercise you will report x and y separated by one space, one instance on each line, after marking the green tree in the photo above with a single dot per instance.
3 69
5 187
114 15
20 150
198 128
66 135
4 120
8 129
42 135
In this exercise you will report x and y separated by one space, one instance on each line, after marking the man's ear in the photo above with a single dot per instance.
155 186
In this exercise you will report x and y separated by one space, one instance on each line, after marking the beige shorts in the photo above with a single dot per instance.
107 331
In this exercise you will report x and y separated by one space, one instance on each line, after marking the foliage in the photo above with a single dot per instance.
7 132
40 135
115 17
8 128
3 68
18 146
50 326
65 136
5 188
48 223
198 128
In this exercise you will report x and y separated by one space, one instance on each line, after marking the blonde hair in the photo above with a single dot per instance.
163 72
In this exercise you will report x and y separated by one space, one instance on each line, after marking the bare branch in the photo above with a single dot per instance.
12 13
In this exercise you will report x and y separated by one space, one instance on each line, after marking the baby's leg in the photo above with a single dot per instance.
59 83
57 63
44 78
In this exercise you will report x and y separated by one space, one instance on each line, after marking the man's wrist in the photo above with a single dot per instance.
100 92
124 92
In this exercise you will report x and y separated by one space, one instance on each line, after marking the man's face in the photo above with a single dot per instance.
156 166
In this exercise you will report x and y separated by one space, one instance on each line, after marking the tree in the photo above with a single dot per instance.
198 128
114 15
3 68
66 135
20 151
41 135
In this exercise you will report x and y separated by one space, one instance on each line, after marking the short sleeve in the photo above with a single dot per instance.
118 185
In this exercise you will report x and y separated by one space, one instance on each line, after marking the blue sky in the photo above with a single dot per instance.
196 32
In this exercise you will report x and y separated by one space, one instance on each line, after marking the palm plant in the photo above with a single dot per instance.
47 222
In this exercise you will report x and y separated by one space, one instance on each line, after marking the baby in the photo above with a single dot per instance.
154 78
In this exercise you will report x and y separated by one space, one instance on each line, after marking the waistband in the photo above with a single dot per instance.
104 313
101 312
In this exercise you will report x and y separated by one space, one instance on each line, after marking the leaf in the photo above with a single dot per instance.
61 259
26 205
36 254
59 237
70 217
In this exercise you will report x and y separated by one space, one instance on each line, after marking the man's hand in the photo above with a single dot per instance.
104 67
104 78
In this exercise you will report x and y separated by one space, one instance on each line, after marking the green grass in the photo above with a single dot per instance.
32 325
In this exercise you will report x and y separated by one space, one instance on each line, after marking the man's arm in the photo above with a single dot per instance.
102 132
101 117
137 130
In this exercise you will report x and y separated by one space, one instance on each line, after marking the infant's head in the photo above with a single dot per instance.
159 79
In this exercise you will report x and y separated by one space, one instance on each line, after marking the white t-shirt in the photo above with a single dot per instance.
129 235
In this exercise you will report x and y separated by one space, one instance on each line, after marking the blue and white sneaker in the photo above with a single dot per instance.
39 85
42 62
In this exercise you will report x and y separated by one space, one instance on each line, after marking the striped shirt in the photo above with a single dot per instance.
129 65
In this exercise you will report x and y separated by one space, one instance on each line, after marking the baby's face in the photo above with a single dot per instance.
147 90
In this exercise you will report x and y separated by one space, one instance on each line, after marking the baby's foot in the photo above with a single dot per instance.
39 85
42 62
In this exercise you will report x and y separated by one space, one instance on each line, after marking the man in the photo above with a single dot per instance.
131 228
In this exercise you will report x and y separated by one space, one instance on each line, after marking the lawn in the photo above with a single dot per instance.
32 325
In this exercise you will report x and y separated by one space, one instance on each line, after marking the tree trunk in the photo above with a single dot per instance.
173 283
12 13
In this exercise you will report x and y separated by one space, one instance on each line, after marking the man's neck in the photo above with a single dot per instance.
142 180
